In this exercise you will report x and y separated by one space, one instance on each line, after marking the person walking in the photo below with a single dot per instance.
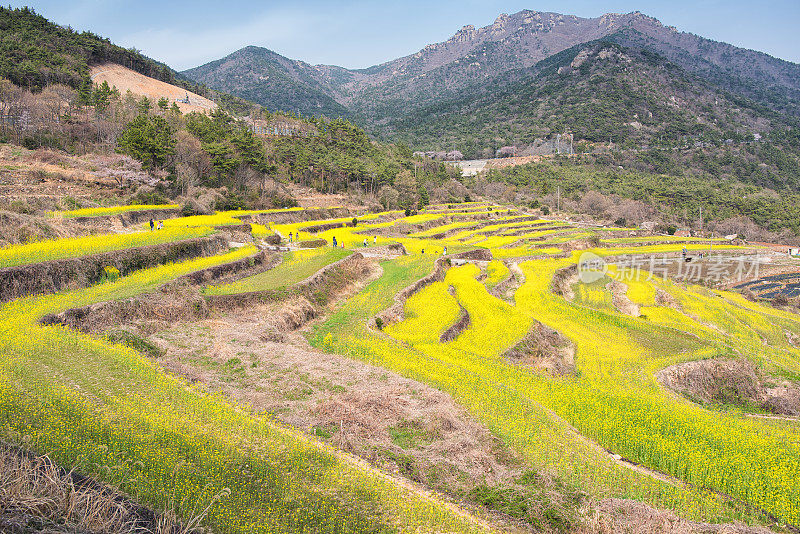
152 224
290 237
334 241
445 252
374 240
365 241
160 225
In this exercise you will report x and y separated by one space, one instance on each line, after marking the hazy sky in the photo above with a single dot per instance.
357 34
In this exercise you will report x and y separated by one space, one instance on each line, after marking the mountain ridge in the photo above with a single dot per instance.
519 41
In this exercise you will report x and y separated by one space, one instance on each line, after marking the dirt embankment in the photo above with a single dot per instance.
177 300
507 288
396 313
57 275
619 297
455 329
316 288
732 382
626 516
562 282
545 349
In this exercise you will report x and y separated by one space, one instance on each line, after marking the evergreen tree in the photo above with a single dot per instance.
148 139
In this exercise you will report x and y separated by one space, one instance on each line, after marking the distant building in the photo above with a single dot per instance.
268 128
507 152
683 232
453 155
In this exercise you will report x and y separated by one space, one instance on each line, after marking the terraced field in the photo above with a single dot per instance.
626 381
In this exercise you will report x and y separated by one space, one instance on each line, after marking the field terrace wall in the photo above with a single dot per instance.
482 222
316 287
295 216
57 275
130 218
396 312
176 300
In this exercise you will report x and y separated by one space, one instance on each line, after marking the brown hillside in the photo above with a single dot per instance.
125 79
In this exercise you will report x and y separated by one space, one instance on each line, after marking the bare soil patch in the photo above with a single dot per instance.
620 298
126 79
563 280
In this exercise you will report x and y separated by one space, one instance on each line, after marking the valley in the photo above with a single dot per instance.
540 277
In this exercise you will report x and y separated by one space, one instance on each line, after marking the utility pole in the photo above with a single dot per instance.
701 219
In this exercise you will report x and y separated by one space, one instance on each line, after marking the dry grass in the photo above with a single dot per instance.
36 495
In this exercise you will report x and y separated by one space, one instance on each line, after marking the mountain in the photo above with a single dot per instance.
599 91
474 60
267 78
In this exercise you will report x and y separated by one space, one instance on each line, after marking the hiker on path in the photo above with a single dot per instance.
375 240
290 237
160 225
445 252
152 224
365 241
334 241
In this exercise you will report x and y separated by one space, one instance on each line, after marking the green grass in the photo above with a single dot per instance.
295 267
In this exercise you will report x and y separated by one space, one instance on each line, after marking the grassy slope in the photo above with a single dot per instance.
615 399
295 267
120 418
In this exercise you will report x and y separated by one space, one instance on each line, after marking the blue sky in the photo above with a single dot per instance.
361 33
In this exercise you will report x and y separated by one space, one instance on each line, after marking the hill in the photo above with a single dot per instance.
35 52
599 92
474 58
125 79
269 79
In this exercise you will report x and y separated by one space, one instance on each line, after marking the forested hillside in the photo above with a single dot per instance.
262 76
35 52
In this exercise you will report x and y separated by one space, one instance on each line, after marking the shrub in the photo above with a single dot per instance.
110 273
379 323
